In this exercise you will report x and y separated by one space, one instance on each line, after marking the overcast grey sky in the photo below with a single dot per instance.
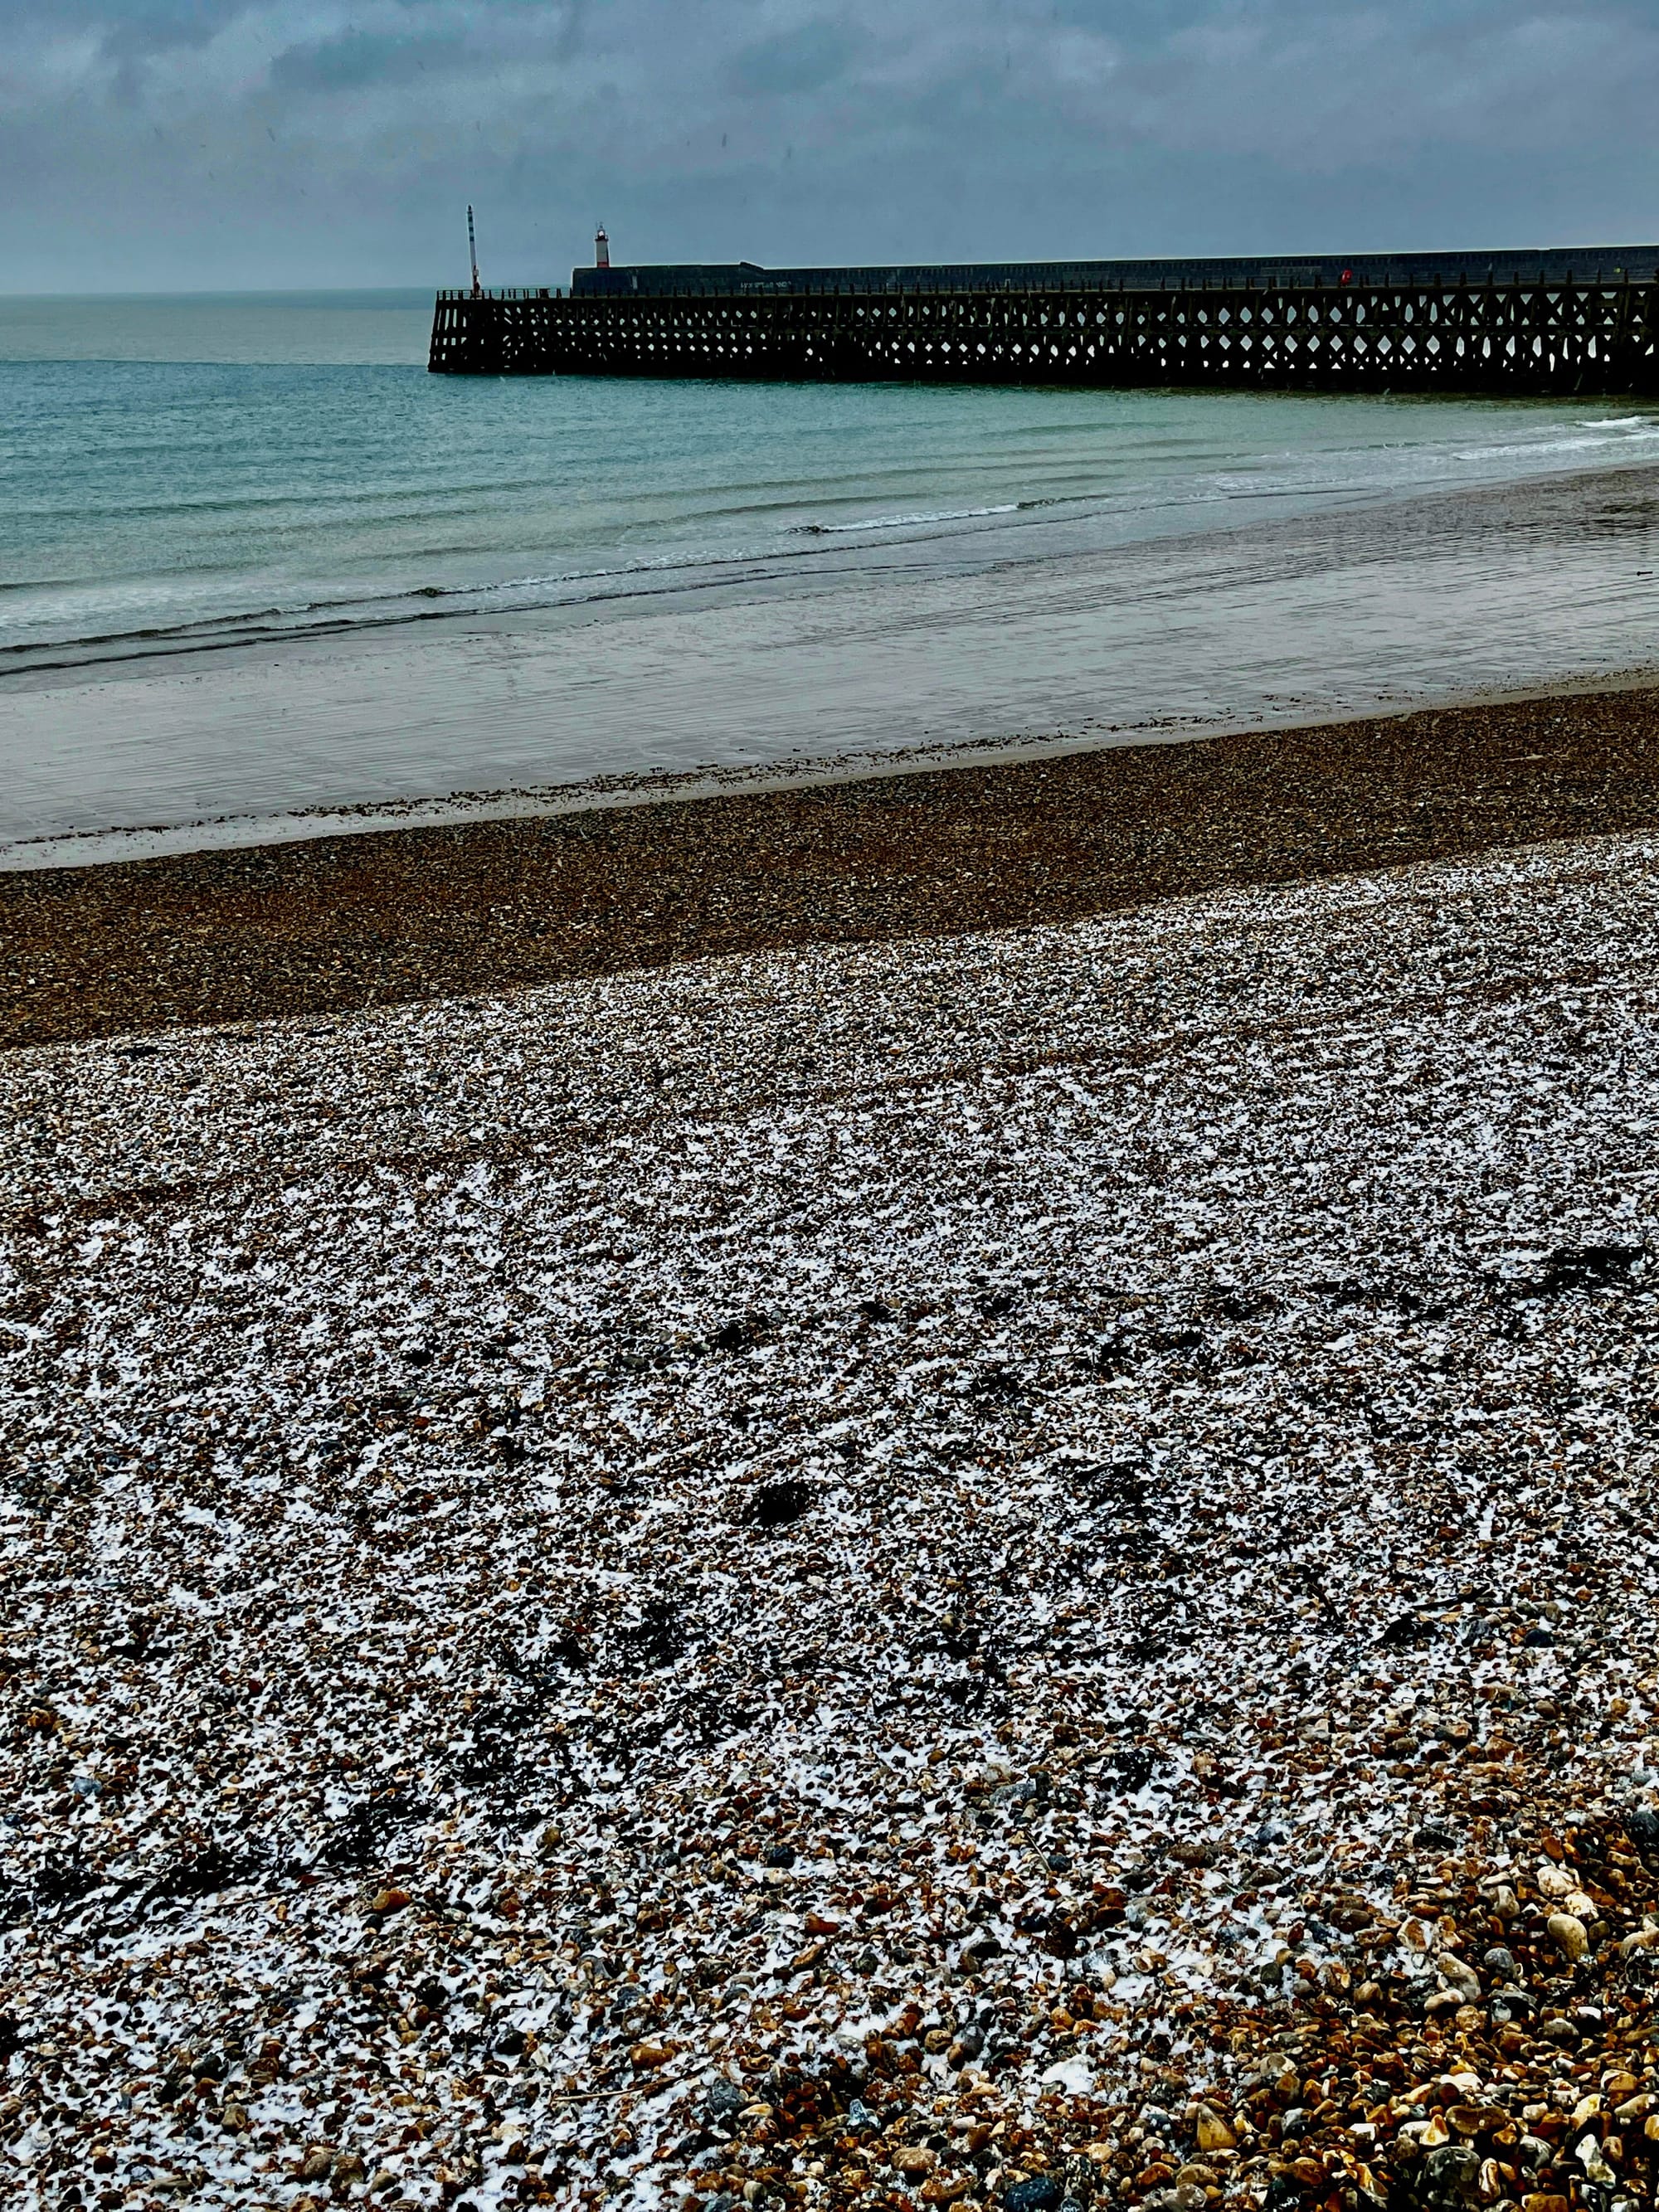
196 145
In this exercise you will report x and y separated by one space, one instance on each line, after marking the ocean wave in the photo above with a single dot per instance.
574 534
909 521
1535 448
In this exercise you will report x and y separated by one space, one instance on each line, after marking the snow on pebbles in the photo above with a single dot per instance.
1013 1569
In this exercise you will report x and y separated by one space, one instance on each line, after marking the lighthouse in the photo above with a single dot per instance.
601 249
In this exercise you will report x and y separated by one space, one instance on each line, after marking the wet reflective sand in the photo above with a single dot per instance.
1298 619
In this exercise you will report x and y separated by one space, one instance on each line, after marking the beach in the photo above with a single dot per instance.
1006 1560
824 1341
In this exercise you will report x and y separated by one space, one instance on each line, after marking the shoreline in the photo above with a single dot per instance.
95 848
1540 586
47 665
337 922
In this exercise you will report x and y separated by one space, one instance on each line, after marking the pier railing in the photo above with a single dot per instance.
1562 336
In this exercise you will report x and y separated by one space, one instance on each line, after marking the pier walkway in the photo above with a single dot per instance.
1579 320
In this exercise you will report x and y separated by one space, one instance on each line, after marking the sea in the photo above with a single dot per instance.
255 561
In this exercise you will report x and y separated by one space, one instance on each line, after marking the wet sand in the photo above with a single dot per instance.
1370 606
337 923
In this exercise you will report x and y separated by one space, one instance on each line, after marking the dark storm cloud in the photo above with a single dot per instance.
290 141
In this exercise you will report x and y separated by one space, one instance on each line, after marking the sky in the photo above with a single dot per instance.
208 145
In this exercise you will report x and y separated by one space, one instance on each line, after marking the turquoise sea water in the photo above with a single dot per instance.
176 472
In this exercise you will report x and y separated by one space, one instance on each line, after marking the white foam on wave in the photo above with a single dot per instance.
904 521
1542 446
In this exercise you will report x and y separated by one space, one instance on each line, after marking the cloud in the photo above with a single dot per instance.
214 141
803 59
355 61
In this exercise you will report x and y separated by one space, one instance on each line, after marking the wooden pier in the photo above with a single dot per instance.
1517 324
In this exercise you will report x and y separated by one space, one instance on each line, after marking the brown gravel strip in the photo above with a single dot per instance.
345 922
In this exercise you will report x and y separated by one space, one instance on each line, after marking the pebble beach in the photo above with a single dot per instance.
992 1565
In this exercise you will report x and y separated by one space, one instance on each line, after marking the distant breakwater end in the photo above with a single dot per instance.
1544 323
